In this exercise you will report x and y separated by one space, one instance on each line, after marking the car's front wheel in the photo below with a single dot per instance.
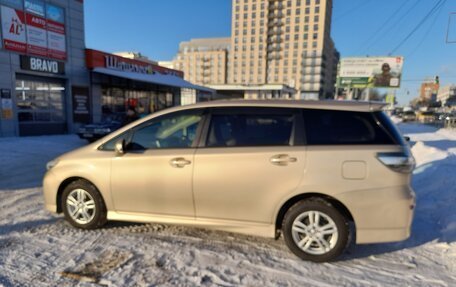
314 230
83 205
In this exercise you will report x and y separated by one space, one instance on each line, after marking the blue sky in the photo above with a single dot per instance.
156 27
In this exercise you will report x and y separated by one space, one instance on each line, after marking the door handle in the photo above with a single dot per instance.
282 159
179 162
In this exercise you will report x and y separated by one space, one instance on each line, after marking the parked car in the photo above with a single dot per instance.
408 116
306 170
95 131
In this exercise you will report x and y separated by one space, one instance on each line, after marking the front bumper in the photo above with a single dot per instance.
50 189
381 215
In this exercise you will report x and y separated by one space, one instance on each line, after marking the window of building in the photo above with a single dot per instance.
40 101
317 9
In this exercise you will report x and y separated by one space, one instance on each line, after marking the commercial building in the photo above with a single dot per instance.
42 63
253 92
284 42
203 61
118 83
51 84
447 95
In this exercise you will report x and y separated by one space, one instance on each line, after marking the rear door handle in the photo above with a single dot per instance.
179 162
282 159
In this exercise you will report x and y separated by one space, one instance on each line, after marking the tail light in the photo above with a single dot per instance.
398 161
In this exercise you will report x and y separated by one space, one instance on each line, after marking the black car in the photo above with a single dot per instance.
95 131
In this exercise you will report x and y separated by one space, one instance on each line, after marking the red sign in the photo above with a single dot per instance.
13 28
95 59
36 35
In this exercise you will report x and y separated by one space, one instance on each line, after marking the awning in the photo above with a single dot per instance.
157 79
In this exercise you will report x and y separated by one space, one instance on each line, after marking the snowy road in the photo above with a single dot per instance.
38 249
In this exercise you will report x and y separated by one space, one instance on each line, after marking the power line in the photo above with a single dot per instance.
436 6
440 9
350 11
384 24
395 24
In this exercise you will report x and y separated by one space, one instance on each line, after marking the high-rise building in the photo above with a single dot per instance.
284 42
204 61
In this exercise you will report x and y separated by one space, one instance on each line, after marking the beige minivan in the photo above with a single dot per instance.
309 170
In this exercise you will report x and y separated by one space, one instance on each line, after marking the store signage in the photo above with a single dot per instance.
56 39
112 62
55 13
35 7
34 28
7 103
13 29
36 35
81 104
42 65
100 59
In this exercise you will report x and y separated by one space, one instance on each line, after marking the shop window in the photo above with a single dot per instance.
40 101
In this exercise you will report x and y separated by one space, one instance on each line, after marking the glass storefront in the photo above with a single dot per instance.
143 102
40 105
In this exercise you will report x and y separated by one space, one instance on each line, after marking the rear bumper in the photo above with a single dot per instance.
381 215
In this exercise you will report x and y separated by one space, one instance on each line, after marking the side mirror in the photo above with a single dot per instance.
120 147
407 138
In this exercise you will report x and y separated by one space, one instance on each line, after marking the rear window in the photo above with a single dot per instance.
233 130
329 127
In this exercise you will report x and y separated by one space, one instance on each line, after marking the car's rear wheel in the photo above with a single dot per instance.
83 205
314 230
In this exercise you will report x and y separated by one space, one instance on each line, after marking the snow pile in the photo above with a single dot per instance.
435 181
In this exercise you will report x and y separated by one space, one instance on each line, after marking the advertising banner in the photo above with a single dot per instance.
13 29
370 72
428 91
35 7
56 32
6 104
36 35
55 13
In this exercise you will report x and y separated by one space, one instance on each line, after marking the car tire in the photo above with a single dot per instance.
316 231
83 205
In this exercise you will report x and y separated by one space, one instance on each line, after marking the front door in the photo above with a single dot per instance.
154 176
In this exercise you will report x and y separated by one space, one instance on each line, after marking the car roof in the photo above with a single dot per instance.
361 106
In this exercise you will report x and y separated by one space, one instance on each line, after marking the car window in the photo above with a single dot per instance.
175 131
110 145
231 130
328 127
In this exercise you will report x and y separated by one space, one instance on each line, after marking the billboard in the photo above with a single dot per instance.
56 32
370 72
35 28
428 91
13 29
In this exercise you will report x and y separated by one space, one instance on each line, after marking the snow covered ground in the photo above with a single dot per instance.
39 249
